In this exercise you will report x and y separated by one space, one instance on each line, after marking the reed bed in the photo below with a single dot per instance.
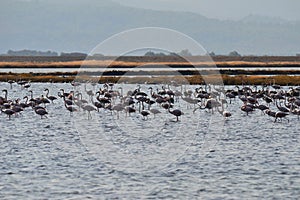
111 63
195 79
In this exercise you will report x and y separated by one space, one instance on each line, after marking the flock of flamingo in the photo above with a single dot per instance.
271 100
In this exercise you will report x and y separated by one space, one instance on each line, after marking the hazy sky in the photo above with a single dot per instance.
224 9
80 25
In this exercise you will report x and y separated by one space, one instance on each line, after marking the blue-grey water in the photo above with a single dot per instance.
203 156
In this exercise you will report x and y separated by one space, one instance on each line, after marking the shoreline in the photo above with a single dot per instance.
232 69
193 80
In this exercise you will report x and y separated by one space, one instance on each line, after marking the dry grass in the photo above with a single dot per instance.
260 80
255 64
196 79
111 63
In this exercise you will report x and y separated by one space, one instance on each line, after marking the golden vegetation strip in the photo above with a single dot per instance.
110 63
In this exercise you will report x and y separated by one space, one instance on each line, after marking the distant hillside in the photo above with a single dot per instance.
79 25
31 53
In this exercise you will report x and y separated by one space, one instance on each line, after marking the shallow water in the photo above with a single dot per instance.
201 156
137 69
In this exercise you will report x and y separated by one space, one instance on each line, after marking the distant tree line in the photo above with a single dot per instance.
182 53
151 53
26 52
186 52
31 53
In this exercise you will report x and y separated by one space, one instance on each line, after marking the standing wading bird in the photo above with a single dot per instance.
44 100
40 111
63 93
223 112
145 114
10 83
129 109
89 109
51 98
22 83
25 104
154 111
210 104
5 94
17 109
8 112
281 115
70 108
97 104
27 85
176 112
270 113
296 112
276 115
262 108
118 108
247 108
281 108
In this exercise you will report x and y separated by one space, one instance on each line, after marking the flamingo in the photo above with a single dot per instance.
154 111
8 112
247 108
230 95
90 93
51 98
223 112
5 94
103 100
70 108
40 111
44 100
267 99
25 104
176 112
153 94
118 108
281 115
63 93
89 108
129 109
296 112
189 100
67 101
17 109
145 114
270 113
27 85
10 83
36 101
281 108
22 83
262 108
210 104
97 104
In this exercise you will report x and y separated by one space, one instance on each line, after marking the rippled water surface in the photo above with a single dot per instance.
201 156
